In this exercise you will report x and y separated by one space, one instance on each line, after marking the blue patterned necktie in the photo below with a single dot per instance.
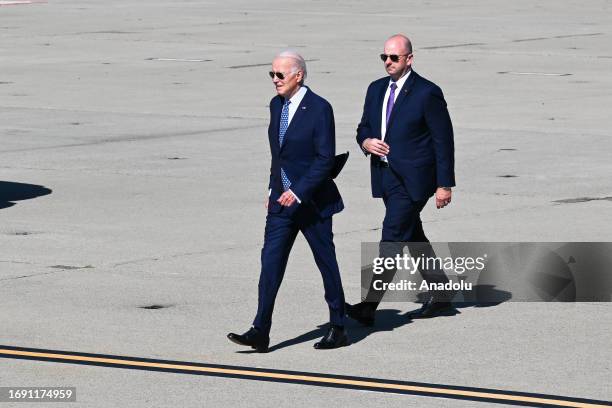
284 124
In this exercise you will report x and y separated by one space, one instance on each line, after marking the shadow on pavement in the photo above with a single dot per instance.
391 319
10 191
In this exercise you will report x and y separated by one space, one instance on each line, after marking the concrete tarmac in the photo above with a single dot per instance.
133 171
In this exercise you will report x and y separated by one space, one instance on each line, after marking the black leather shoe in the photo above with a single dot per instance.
432 308
254 338
335 337
362 312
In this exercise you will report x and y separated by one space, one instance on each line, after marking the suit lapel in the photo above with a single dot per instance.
376 122
297 116
402 95
275 113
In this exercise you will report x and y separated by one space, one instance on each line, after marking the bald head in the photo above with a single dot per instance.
397 56
401 42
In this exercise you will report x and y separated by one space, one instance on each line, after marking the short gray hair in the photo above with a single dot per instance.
299 61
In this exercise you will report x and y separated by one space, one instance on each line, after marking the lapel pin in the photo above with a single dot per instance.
303 107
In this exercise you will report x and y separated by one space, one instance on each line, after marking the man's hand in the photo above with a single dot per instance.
443 197
286 199
375 146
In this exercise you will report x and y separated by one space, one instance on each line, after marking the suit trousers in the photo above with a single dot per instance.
280 233
402 224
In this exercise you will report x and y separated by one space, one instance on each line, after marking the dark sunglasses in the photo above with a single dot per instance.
393 57
279 75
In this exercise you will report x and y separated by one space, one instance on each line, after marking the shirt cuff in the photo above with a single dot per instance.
296 197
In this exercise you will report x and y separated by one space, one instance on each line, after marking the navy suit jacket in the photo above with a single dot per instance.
307 155
419 135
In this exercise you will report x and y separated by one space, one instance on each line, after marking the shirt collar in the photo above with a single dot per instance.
298 96
400 82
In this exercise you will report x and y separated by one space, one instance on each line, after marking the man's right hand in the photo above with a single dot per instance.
375 146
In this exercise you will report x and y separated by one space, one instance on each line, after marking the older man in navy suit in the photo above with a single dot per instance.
302 197
407 131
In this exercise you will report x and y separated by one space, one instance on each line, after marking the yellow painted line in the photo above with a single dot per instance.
364 384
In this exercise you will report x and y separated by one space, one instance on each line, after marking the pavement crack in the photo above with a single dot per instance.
70 267
128 113
17 262
582 200
358 231
32 275
135 138
180 255
436 47
98 171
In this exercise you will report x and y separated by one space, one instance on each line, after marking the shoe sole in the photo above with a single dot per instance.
259 349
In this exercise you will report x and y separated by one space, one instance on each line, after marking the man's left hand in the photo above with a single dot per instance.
443 197
286 199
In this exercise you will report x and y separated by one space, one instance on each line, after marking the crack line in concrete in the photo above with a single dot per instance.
118 113
133 138
33 275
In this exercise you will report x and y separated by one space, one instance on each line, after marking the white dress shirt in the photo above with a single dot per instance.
383 121
400 84
296 99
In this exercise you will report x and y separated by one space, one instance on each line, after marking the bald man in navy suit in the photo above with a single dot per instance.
407 132
302 198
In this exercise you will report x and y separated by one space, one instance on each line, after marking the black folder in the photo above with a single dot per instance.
339 162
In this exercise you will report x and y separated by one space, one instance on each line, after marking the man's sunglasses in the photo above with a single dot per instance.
279 75
393 57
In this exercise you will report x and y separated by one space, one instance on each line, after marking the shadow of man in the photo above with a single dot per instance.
386 320
391 319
